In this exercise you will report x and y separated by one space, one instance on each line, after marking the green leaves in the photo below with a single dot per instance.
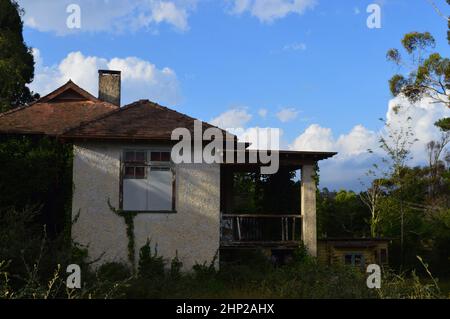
394 56
397 83
423 76
414 41
443 124
16 59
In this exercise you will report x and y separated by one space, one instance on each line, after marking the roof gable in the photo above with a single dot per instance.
68 92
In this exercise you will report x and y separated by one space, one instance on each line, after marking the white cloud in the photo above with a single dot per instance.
107 15
315 138
357 141
353 161
169 12
262 112
423 115
261 138
235 121
232 119
287 114
270 10
356 10
140 79
296 46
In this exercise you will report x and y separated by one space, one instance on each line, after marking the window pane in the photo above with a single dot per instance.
348 259
140 172
160 189
156 156
165 156
129 172
160 169
129 156
135 194
140 157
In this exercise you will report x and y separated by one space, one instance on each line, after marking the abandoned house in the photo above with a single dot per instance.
122 162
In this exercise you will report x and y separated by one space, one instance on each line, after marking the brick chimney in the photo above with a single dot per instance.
109 86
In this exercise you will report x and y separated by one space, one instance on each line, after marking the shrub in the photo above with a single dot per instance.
175 267
113 272
205 271
150 264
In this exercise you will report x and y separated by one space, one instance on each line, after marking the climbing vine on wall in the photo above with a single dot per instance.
129 221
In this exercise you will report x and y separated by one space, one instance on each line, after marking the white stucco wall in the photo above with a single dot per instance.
193 231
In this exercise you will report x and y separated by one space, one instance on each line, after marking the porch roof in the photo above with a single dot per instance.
292 159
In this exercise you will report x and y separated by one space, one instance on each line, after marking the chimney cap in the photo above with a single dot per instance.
109 72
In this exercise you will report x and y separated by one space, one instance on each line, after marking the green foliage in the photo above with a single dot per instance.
301 255
151 265
397 84
16 59
254 193
37 172
205 270
444 124
341 214
415 41
251 277
430 76
175 267
402 286
113 272
129 222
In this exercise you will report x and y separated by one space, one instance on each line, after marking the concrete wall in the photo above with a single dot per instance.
193 231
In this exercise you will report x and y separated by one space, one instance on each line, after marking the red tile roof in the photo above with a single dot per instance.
141 120
64 108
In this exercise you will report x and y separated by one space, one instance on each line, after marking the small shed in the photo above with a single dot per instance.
358 252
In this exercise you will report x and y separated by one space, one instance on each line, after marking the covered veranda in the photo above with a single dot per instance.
274 228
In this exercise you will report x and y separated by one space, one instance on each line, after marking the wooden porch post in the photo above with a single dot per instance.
308 207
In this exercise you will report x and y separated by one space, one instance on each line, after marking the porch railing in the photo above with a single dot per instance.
260 229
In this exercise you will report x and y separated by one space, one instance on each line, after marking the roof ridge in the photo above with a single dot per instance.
101 117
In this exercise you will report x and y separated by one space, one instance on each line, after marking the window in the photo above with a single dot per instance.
348 259
148 185
354 259
135 172
135 162
160 156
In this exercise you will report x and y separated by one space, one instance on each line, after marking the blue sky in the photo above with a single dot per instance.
315 63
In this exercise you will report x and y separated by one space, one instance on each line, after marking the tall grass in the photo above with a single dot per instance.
251 277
